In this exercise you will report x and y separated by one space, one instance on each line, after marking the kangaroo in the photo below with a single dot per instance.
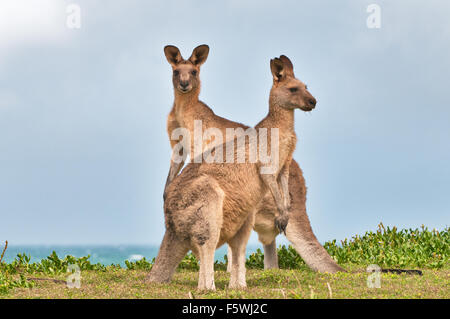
210 204
186 109
206 206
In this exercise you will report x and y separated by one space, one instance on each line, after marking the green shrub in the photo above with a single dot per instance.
142 264
393 248
51 265
386 247
8 282
189 262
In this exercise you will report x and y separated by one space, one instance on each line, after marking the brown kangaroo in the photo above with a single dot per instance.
210 204
186 109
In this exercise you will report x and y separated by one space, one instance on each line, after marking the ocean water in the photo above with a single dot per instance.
105 255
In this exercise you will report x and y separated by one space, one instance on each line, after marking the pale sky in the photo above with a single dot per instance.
84 152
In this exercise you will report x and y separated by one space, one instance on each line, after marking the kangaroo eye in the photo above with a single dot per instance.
194 72
176 72
293 90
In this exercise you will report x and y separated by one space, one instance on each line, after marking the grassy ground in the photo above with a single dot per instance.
421 249
298 283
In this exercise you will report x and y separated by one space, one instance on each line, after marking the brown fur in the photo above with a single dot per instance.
188 108
206 205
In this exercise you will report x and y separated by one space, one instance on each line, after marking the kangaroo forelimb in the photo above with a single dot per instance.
284 183
282 219
175 168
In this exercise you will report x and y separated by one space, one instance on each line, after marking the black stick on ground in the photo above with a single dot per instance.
403 271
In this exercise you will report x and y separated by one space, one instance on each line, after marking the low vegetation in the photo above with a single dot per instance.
428 250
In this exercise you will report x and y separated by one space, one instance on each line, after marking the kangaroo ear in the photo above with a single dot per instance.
289 67
199 55
277 68
173 55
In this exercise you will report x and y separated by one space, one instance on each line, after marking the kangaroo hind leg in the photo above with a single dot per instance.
238 245
270 255
205 234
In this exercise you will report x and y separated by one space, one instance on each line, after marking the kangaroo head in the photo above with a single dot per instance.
185 76
287 91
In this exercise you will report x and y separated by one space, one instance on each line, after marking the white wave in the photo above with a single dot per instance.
135 257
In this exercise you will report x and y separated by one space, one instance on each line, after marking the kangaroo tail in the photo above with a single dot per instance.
170 254
299 231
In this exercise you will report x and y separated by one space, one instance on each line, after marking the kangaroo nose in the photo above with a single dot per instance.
184 84
312 102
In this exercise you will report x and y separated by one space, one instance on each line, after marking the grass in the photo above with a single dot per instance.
389 248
